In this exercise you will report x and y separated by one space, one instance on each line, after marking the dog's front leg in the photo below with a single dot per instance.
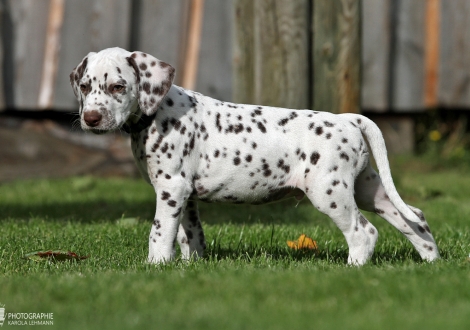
171 202
190 234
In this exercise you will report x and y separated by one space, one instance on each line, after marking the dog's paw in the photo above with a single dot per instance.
160 258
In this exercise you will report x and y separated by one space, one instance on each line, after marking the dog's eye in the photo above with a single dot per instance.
83 88
118 88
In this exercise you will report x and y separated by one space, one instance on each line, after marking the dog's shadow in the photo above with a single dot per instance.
275 253
105 210
333 257
80 212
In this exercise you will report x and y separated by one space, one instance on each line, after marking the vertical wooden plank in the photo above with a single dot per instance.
215 55
8 67
375 54
109 23
244 75
49 68
29 19
431 53
408 80
2 91
160 30
280 53
193 44
454 82
336 56
89 25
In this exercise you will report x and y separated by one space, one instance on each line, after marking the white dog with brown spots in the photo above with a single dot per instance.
191 147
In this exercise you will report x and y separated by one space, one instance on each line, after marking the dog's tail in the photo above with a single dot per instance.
379 151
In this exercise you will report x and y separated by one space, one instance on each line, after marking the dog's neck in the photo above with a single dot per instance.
137 127
138 121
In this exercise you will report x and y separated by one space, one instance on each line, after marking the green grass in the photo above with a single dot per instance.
249 278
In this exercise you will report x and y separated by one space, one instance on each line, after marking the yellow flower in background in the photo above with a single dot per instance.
435 135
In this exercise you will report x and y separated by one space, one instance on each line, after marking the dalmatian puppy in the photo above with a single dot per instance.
192 148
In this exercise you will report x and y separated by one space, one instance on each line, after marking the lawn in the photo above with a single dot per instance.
249 278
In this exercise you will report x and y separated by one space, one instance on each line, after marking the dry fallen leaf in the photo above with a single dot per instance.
303 242
57 255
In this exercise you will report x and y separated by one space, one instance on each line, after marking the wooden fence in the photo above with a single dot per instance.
415 54
158 27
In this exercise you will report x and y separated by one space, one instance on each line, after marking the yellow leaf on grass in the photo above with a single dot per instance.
304 242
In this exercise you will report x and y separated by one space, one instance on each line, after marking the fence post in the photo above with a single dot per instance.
2 97
337 56
271 63
192 44
243 60
51 54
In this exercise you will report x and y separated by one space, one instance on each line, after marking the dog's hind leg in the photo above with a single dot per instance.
371 196
336 199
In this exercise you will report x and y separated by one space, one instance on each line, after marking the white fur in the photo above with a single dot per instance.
199 148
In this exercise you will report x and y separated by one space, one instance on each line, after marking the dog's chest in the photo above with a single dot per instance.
141 156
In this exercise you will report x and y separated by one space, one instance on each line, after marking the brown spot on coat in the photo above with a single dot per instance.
314 157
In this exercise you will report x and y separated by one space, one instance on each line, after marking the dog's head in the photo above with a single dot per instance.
114 87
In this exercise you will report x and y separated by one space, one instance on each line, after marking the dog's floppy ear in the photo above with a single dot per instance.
154 79
77 75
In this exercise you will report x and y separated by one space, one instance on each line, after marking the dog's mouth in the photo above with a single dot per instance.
99 129
97 123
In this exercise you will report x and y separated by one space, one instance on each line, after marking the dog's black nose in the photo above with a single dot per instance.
92 118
